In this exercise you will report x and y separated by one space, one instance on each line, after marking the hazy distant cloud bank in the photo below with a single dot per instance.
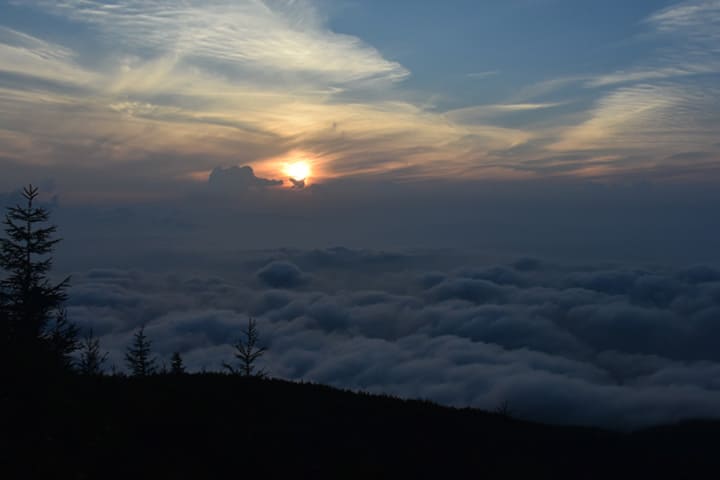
609 345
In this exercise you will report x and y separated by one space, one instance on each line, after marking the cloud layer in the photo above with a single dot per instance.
603 345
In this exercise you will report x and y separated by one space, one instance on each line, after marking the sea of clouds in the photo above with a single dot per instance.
602 344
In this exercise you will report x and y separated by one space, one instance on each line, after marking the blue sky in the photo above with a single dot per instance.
518 41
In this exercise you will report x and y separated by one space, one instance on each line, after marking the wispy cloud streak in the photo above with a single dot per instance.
279 36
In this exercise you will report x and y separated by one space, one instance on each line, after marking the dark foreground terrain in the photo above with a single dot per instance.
219 426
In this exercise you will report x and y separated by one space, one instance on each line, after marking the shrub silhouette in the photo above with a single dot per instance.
248 351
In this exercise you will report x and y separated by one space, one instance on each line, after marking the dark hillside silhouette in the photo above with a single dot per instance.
211 425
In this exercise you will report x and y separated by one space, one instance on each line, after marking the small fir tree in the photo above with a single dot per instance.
91 357
139 357
176 364
247 352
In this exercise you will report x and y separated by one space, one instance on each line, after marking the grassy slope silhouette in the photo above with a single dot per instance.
215 426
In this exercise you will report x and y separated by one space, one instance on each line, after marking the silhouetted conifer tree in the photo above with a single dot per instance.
28 299
247 351
91 357
176 364
138 356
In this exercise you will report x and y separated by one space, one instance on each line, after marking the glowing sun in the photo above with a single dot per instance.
298 170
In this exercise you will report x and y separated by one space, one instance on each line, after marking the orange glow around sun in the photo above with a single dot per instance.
299 170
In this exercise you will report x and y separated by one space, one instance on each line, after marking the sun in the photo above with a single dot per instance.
298 170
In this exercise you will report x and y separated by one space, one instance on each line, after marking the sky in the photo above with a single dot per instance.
548 127
504 199
161 92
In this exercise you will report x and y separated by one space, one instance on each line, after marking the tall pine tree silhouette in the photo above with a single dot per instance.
139 357
28 299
